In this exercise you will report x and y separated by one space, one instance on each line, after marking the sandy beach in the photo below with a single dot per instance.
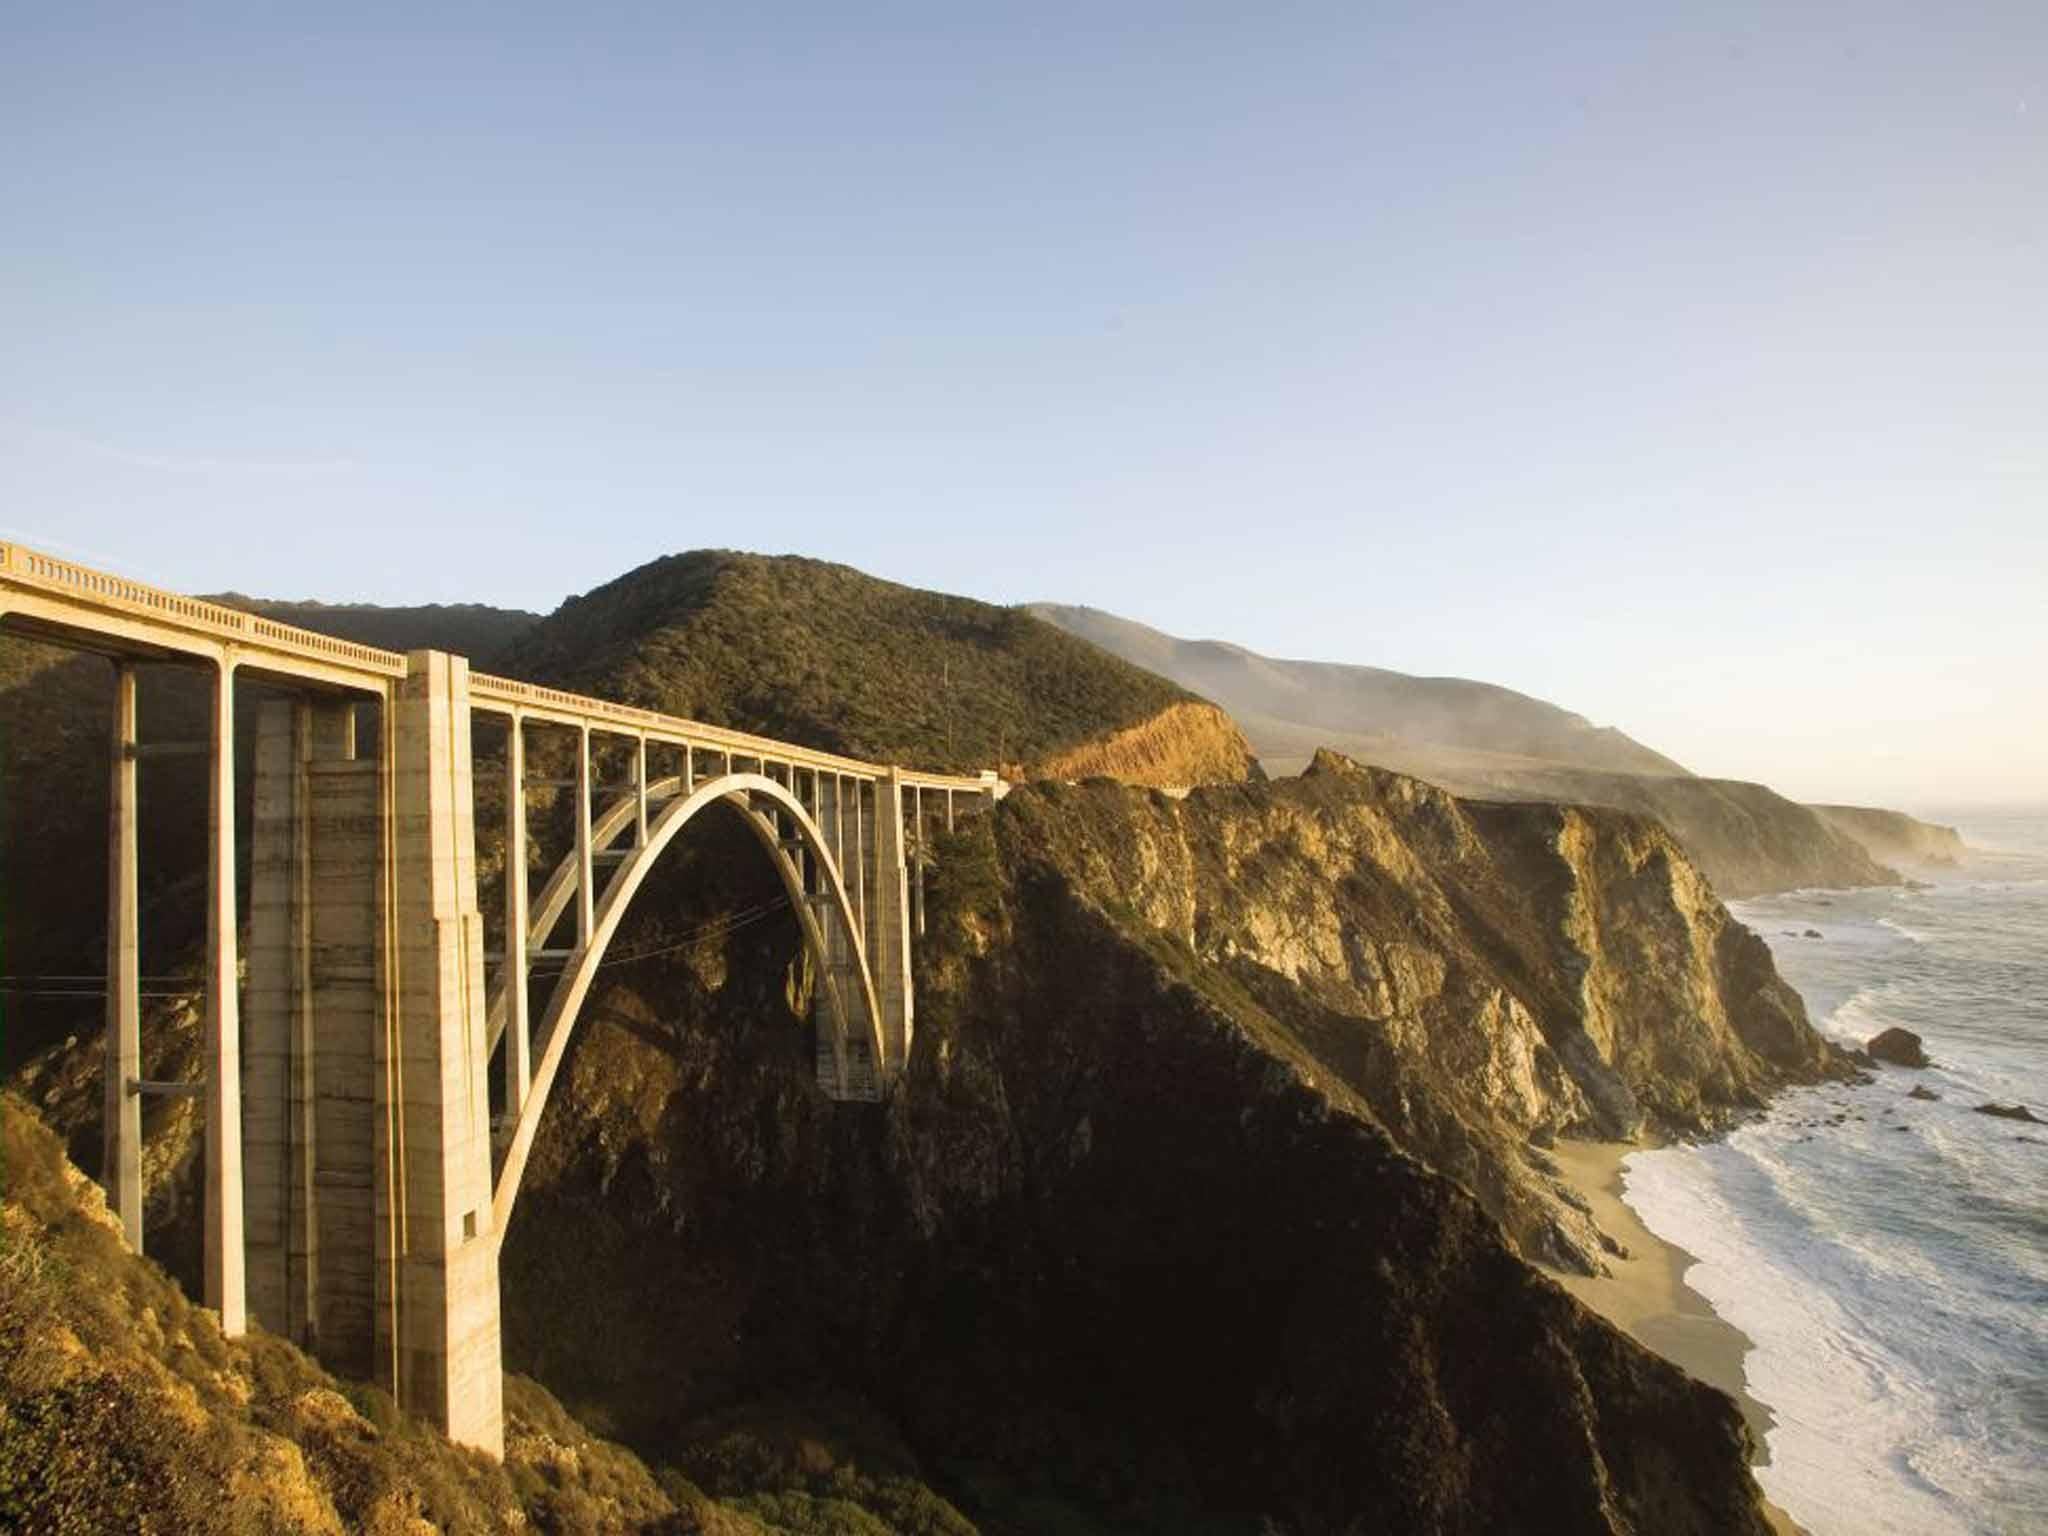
1647 1296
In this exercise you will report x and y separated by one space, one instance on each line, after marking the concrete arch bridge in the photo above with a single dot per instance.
357 1180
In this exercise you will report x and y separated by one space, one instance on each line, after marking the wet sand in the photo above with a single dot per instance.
1647 1296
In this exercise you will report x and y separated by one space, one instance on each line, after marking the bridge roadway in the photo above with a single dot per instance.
358 1182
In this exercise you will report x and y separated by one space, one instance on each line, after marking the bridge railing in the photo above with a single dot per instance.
539 701
31 568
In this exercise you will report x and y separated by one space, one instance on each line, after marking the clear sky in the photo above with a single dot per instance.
1685 365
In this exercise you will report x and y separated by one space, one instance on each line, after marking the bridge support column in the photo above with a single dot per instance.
437 1265
278 1032
222 1235
310 1031
518 1024
889 924
121 1167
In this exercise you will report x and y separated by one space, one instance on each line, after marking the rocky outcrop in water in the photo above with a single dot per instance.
1899 1047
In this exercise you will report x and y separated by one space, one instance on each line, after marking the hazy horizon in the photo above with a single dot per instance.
1686 372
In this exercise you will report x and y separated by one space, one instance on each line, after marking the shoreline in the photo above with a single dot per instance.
1647 1298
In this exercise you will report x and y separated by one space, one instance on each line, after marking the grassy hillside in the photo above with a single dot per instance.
825 655
122 1408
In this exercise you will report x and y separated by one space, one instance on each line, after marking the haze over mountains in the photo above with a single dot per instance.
1459 727
1488 742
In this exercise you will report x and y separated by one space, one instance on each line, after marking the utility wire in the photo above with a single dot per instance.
95 986
717 930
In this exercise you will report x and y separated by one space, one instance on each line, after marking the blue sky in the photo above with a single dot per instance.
1687 366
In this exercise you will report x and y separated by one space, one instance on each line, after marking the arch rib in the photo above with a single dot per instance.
742 790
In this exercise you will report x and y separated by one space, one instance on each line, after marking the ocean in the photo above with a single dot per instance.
1889 1255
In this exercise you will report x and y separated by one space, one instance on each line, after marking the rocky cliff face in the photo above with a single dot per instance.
1480 975
1895 837
1746 838
1188 743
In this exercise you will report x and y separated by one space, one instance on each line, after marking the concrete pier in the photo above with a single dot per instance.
121 1167
437 1264
225 1289
309 1028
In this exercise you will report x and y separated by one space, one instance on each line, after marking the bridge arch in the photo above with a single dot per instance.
760 801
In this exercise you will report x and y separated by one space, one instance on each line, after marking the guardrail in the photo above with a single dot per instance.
37 569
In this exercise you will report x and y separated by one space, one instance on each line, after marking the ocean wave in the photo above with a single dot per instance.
1849 1418
1860 1015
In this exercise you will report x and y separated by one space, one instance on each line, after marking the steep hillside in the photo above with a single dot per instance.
122 1408
1332 703
1895 837
825 655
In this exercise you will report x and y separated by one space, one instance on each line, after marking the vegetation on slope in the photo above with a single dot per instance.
825 655
122 1408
